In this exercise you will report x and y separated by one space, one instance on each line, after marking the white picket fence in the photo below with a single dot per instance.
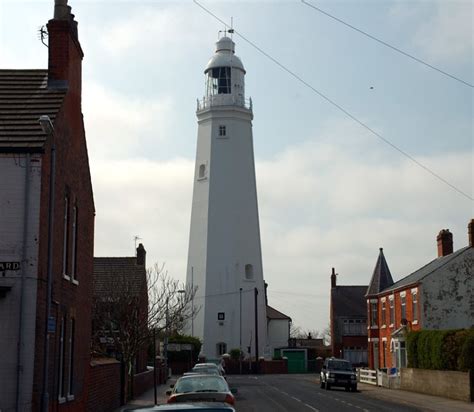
368 376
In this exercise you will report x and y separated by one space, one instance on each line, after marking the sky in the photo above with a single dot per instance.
330 192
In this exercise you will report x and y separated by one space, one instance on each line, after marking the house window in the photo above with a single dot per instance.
403 303
62 352
202 171
376 355
248 271
74 244
71 358
392 311
222 131
66 236
384 353
220 316
373 314
384 314
221 348
414 299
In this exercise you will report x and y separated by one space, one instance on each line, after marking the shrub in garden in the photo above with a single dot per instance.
466 359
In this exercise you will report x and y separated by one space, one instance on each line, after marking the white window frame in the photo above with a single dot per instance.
391 300
403 305
70 379
74 246
416 313
62 348
66 238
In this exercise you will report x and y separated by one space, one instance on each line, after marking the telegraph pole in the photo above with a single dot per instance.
256 330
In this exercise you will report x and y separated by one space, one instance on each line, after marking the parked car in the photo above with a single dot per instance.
338 372
208 366
201 388
185 407
206 370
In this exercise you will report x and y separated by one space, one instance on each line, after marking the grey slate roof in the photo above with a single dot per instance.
24 97
349 301
426 270
109 270
275 314
381 278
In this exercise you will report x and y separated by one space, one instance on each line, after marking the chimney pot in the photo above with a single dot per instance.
141 255
470 232
445 242
333 278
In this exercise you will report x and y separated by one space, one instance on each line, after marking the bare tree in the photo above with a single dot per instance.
125 316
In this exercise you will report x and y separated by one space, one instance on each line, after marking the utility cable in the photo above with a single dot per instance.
347 113
386 44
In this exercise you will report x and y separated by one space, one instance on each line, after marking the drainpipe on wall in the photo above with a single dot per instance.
21 323
48 128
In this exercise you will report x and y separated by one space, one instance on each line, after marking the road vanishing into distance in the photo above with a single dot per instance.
282 393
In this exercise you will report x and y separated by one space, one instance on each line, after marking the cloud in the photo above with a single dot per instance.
449 34
321 206
120 126
444 31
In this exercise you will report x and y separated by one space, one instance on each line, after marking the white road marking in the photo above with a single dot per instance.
310 407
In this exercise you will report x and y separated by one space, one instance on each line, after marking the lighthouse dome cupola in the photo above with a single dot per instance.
225 84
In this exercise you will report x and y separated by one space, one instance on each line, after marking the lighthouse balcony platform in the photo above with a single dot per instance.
223 100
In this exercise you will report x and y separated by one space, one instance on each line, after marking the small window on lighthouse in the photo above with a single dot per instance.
248 271
222 131
202 171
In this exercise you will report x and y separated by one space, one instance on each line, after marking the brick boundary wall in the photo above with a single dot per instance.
143 381
448 384
273 366
104 385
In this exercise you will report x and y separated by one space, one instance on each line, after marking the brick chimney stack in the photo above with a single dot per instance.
333 278
64 52
470 232
141 255
445 242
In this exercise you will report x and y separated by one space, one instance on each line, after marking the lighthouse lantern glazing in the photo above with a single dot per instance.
224 258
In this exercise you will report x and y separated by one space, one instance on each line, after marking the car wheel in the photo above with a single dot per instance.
354 388
347 388
328 386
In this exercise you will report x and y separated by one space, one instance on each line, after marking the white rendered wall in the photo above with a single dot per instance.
225 233
12 197
278 333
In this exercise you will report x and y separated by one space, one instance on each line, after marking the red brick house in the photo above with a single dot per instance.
120 296
348 322
439 295
47 220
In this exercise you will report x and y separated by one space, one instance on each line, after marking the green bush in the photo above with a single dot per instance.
235 353
412 349
466 358
185 355
441 349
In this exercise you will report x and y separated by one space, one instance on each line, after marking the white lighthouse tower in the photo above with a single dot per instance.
225 259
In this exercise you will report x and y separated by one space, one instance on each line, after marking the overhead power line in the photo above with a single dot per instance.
386 44
347 113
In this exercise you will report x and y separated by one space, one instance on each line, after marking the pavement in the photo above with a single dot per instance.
148 398
410 400
424 402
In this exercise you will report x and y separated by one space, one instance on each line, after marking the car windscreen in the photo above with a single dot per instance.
212 371
339 365
201 384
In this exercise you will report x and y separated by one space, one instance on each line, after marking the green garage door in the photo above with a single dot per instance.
296 361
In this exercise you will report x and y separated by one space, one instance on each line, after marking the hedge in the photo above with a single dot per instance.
185 355
441 349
